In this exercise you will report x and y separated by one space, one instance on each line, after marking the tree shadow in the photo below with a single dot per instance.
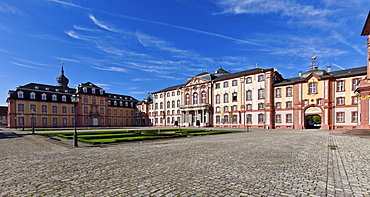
5 135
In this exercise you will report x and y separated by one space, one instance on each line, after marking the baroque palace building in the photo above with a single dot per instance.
259 98
42 105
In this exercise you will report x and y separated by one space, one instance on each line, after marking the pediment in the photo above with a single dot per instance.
312 75
194 81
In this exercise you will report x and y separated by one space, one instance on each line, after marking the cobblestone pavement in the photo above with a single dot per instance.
257 163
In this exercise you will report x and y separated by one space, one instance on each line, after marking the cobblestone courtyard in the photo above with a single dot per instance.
258 163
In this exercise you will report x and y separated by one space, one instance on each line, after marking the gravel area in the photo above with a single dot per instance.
257 163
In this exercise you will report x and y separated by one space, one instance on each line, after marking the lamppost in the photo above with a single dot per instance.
33 121
74 99
22 122
16 122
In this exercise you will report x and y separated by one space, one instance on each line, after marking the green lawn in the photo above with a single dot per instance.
104 137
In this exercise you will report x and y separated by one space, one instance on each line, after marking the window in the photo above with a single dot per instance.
32 95
156 96
305 102
168 104
93 90
64 121
161 105
120 103
226 119
249 80
261 118
204 96
54 97
340 101
121 112
235 108
156 106
217 109
178 92
289 104
226 108
340 86
235 118
278 118
187 99
173 93
261 78
44 121
44 108
278 105
354 116
217 98
217 86
226 98
126 104
55 121
340 117
161 96
173 104
64 98
312 88
178 112
86 110
109 112
101 93
43 96
234 82
168 94
249 95
261 106
355 83
319 101
195 98
217 119
84 89
249 118
354 100
20 107
235 97
289 118
64 109
249 107
126 112
226 84
55 109
278 93
178 103
32 108
261 94
20 94
289 91
115 112
101 101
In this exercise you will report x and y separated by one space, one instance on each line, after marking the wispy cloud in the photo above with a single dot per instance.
24 65
85 29
34 63
69 4
141 79
336 65
111 68
103 24
6 8
62 59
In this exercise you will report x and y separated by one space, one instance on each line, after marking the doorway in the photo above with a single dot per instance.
313 121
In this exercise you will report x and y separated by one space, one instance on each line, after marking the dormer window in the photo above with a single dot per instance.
43 96
109 102
115 103
54 97
47 89
93 90
64 98
32 95
66 91
132 104
101 91
84 89
126 104
37 87
57 90
20 94
120 103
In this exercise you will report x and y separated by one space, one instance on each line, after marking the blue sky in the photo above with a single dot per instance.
137 46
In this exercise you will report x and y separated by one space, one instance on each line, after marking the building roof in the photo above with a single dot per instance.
366 29
3 110
335 74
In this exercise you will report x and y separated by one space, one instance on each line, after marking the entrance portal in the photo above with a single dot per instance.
313 121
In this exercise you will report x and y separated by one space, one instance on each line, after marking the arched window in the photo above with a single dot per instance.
204 96
156 106
178 103
168 104
195 98
173 104
161 105
187 99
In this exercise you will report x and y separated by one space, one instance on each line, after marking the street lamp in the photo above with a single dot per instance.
74 99
22 122
33 121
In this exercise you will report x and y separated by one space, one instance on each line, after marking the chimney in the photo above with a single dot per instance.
300 73
329 69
